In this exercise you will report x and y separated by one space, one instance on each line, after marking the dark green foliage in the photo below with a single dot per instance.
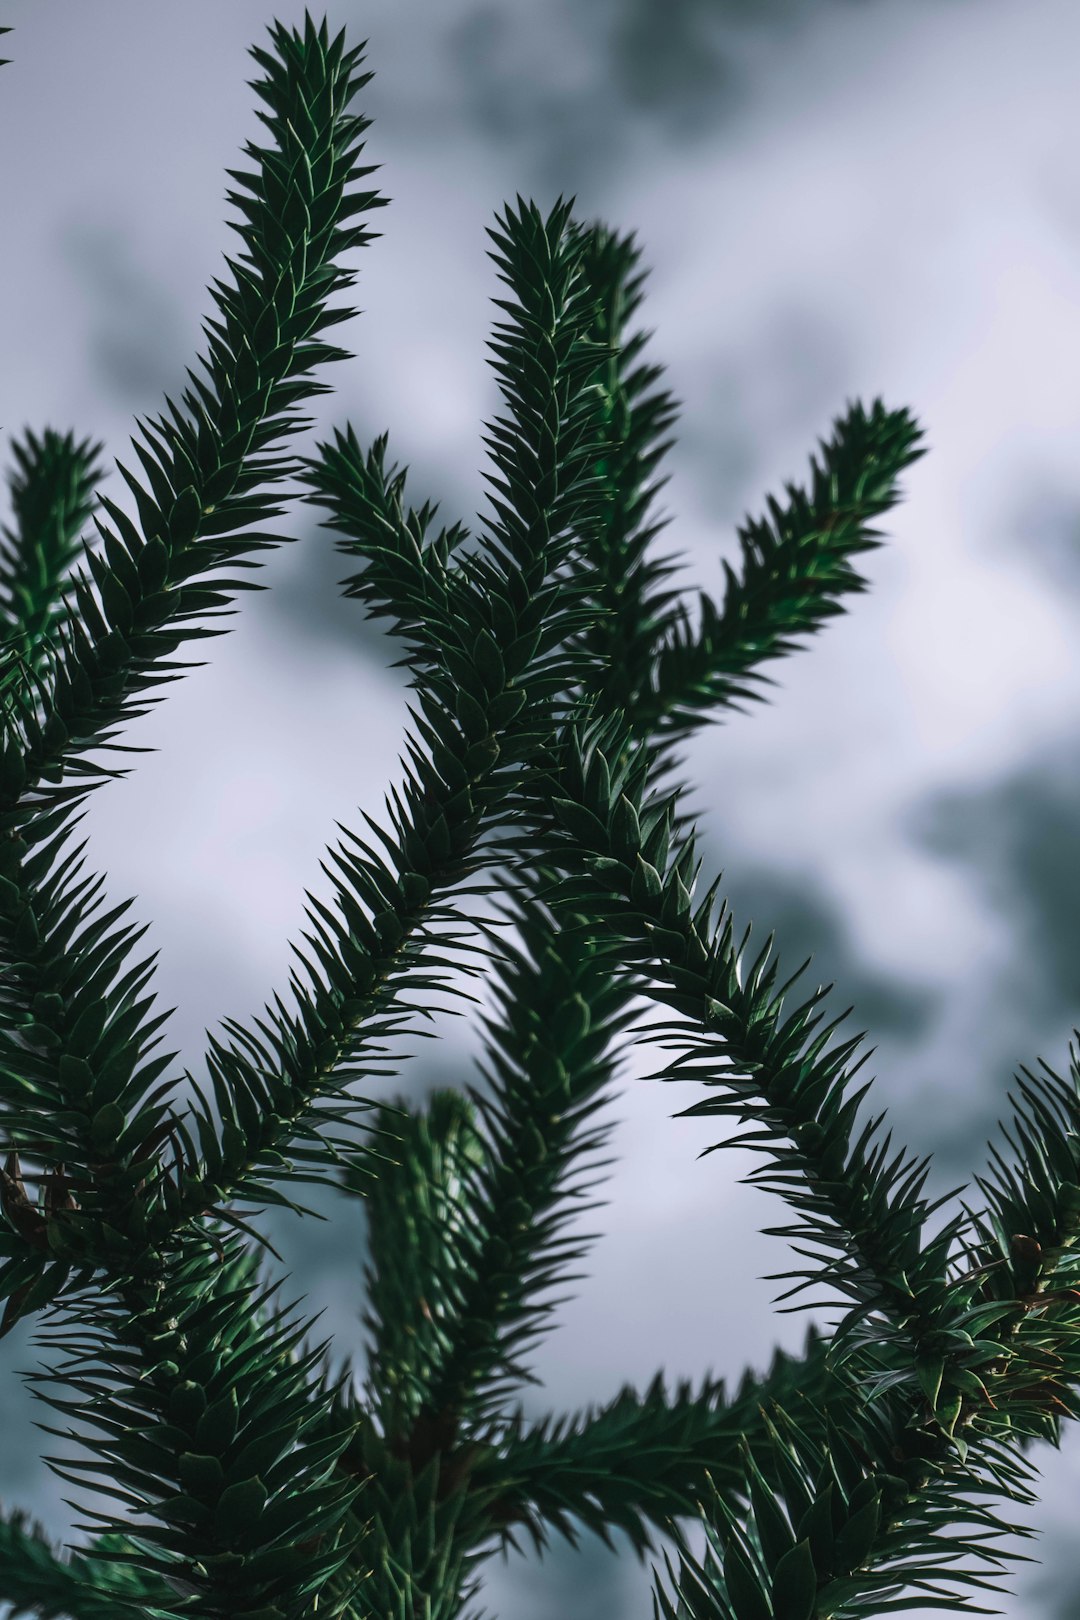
555 670
53 502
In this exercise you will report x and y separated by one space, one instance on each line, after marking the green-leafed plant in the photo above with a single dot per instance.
556 673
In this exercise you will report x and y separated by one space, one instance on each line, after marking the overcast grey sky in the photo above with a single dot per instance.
839 200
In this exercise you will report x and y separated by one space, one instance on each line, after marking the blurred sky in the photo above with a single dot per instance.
853 198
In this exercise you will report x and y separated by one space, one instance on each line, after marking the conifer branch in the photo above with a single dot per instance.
794 571
986 1389
634 612
862 462
202 471
857 1204
547 1054
209 1429
527 543
440 821
1030 1238
832 1530
554 673
625 843
408 576
415 584
42 1585
67 1073
645 1460
481 716
667 1452
421 1238
53 501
